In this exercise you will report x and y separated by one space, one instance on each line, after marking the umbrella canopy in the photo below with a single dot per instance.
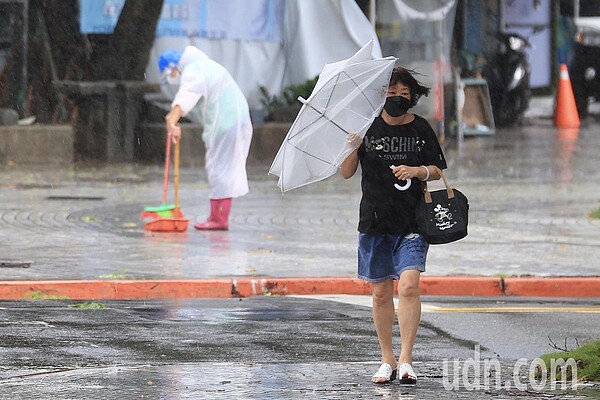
347 97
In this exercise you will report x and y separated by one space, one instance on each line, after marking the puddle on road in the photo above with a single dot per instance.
77 198
15 264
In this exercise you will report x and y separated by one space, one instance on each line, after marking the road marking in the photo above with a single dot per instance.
366 301
516 309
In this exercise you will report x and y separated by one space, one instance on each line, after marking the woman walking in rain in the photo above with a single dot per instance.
208 93
399 151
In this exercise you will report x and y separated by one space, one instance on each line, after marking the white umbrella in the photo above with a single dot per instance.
347 97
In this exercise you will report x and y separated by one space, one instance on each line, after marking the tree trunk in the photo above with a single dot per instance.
58 51
126 54
12 26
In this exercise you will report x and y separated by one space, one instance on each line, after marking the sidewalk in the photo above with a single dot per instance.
77 233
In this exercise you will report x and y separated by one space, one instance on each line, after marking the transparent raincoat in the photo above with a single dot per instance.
209 95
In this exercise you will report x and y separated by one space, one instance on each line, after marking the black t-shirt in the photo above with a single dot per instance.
383 207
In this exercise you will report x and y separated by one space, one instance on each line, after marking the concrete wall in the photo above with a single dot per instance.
150 144
266 140
36 144
54 144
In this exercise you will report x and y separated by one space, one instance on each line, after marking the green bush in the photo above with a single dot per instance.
284 108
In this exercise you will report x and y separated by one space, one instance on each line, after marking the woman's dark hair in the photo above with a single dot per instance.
405 77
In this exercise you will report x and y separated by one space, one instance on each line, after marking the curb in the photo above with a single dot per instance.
469 286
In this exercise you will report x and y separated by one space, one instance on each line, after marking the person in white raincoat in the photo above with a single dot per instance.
209 94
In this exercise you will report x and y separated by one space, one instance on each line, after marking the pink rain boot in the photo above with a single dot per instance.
219 216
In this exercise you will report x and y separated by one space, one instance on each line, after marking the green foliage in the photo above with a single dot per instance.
287 103
269 101
115 275
595 214
291 93
89 305
38 295
587 358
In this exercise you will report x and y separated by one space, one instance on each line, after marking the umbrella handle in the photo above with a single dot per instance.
403 184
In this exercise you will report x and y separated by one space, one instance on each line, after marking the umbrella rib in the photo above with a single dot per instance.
307 125
361 92
337 79
328 101
327 118
313 156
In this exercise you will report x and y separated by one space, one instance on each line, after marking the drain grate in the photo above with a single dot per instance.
78 198
14 264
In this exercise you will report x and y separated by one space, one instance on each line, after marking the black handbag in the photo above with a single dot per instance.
442 215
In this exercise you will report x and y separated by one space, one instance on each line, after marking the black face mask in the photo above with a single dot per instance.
396 106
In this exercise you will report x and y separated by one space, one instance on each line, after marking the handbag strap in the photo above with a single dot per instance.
449 190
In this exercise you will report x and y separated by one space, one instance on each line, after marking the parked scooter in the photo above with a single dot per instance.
507 74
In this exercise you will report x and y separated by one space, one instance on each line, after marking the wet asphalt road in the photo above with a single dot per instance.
263 348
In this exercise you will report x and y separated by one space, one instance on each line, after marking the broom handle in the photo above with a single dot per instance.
176 173
167 164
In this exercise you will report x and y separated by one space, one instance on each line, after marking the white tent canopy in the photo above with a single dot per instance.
314 33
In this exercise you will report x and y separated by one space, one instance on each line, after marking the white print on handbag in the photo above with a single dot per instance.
443 218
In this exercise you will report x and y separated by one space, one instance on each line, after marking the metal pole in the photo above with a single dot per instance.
459 96
25 9
373 12
502 6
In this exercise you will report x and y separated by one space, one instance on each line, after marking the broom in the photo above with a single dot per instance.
164 210
174 222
